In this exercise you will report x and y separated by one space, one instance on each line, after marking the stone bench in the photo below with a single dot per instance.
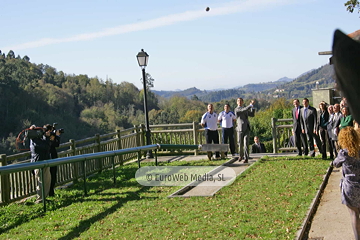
222 148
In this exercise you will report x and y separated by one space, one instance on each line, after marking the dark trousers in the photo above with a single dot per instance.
228 134
53 171
335 147
300 139
212 137
311 136
324 137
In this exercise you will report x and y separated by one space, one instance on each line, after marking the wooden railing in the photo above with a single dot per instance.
18 185
22 184
84 158
281 133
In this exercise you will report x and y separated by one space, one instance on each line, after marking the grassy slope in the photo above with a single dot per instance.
269 201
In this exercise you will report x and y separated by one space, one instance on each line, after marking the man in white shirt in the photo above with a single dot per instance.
226 119
209 122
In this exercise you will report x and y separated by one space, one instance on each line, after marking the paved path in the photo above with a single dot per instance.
332 219
204 190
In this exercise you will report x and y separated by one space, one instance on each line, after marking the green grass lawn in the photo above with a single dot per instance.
268 201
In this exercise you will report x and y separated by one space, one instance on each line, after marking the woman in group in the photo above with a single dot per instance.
323 121
347 119
348 158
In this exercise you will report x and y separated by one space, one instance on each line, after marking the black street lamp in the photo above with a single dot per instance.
143 58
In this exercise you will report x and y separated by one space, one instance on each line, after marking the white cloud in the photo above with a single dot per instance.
228 8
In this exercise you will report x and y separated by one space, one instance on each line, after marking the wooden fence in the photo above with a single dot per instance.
22 184
281 133
19 185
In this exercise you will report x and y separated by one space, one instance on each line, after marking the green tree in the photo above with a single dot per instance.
26 58
261 123
149 81
192 116
194 97
127 94
10 54
177 107
103 116
351 5
152 101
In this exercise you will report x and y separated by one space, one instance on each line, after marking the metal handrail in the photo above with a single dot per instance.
83 158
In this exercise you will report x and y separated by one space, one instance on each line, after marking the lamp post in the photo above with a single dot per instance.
143 58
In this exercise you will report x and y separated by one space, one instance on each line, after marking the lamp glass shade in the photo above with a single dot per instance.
142 58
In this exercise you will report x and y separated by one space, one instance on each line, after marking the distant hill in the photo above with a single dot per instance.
285 79
217 95
259 87
299 87
186 93
306 73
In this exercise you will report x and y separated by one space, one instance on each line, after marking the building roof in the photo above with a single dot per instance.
354 35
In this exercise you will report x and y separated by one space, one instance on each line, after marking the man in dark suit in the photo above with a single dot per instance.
309 126
323 121
298 135
258 147
243 127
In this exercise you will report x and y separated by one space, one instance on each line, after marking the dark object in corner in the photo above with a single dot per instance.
346 61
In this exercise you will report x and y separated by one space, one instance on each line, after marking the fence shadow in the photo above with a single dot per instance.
65 197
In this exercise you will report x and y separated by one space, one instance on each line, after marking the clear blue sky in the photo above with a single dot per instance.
235 43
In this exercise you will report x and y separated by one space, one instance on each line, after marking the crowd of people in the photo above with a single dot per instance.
228 120
320 128
311 128
331 128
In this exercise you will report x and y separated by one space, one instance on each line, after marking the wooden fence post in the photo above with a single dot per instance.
98 149
142 127
138 135
5 182
273 128
195 137
119 146
75 166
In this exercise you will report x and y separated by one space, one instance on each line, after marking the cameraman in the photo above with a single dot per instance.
54 143
40 150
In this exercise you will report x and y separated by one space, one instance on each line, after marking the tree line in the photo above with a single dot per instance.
38 94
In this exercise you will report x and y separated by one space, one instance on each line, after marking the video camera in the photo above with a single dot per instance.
61 130
35 132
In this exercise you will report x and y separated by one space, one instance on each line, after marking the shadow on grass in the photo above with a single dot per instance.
85 225
15 214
